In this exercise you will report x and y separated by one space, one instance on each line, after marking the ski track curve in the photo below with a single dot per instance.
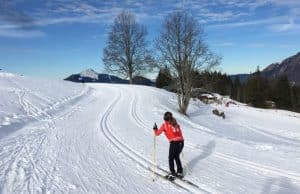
276 138
241 162
25 162
34 113
284 140
37 94
136 157
23 166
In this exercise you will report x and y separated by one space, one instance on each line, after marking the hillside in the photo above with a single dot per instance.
90 75
63 137
289 67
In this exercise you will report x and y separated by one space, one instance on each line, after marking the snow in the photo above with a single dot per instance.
207 95
62 137
89 73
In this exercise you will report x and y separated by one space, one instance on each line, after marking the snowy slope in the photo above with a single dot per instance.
58 136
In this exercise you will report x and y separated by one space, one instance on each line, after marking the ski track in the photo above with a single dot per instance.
276 138
283 140
241 162
34 113
136 157
23 167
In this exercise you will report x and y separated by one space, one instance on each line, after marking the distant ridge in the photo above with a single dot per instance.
243 77
289 67
92 76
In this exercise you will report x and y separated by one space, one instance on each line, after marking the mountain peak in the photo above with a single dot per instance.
89 73
289 67
271 67
92 76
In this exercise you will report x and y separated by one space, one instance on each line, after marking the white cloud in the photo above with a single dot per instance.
17 50
276 24
214 16
224 44
283 27
285 2
226 13
79 12
255 45
13 33
96 18
245 23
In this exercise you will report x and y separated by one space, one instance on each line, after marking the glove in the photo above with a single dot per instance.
155 127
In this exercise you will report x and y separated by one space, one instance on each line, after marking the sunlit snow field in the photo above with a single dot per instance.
58 136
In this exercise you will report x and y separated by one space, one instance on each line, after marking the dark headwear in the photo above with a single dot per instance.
168 116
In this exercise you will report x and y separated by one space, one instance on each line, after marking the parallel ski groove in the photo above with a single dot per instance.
248 164
104 124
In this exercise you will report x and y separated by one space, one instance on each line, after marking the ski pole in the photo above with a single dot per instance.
154 158
184 162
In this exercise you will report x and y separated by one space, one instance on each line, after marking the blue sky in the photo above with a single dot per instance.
55 38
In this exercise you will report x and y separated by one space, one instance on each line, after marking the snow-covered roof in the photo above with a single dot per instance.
207 95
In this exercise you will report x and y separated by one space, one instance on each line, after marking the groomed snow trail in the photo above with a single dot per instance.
144 162
97 138
67 151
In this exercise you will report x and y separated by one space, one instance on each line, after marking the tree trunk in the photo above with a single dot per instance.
130 80
184 97
130 76
184 103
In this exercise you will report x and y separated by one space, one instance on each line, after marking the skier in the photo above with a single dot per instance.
174 135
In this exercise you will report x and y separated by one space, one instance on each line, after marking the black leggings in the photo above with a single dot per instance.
174 154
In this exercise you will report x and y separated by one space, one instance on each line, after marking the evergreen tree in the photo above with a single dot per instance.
164 78
241 93
294 97
282 93
256 90
235 88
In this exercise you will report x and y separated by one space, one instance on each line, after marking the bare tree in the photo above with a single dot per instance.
181 47
126 51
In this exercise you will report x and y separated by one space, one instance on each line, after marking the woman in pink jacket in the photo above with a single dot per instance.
173 133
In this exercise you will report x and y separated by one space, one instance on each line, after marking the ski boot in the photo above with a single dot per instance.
179 175
170 176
